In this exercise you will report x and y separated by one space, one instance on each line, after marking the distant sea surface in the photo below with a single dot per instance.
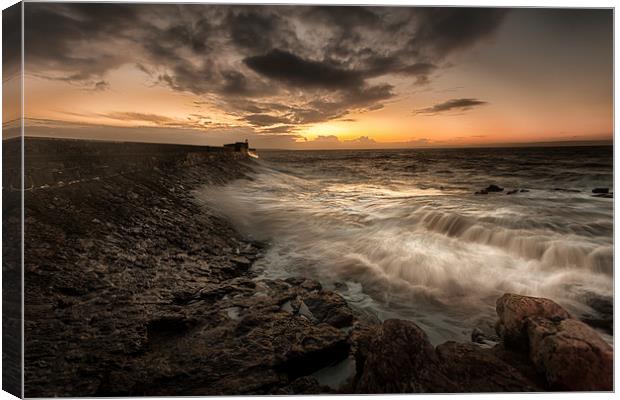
401 234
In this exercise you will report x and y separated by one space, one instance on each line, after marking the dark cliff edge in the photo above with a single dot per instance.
134 288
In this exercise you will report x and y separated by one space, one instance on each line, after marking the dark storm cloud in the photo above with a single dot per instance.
314 111
265 119
193 36
375 65
451 105
54 33
421 71
251 30
368 96
259 31
345 17
293 70
282 64
11 42
234 83
358 99
446 29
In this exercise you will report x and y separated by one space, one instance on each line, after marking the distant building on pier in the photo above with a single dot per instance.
242 147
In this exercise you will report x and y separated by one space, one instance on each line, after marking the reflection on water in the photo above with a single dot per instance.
401 234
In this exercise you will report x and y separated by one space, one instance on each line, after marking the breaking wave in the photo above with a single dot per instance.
422 246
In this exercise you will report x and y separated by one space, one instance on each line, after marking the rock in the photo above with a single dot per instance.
512 191
305 384
514 311
604 195
307 284
567 352
305 312
288 307
241 261
603 317
481 370
490 189
566 190
524 190
398 358
477 336
147 295
571 355
600 190
480 337
494 188
233 313
330 308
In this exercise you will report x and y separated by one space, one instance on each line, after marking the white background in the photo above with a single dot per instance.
539 3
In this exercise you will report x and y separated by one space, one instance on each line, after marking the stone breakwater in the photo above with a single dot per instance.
133 288
60 162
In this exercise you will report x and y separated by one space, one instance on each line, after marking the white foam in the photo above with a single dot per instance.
439 258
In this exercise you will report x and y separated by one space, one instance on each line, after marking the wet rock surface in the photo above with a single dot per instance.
399 358
568 353
491 189
494 188
486 370
132 288
515 312
541 348
602 316
571 355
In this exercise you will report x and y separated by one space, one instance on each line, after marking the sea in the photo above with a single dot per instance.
402 234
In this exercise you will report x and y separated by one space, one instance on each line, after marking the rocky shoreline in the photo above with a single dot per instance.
133 288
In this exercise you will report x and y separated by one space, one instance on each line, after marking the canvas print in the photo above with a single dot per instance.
209 199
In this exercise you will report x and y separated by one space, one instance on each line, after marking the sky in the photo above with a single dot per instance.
306 77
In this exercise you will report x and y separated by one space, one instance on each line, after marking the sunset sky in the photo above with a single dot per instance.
318 77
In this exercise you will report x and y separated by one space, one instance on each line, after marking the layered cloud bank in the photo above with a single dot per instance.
269 66
293 70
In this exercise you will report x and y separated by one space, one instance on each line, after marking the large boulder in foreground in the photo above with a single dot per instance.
570 354
542 348
514 312
475 369
399 358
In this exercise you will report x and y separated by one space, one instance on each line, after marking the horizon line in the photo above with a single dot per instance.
559 143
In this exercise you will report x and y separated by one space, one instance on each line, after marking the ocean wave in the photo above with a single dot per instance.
437 256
